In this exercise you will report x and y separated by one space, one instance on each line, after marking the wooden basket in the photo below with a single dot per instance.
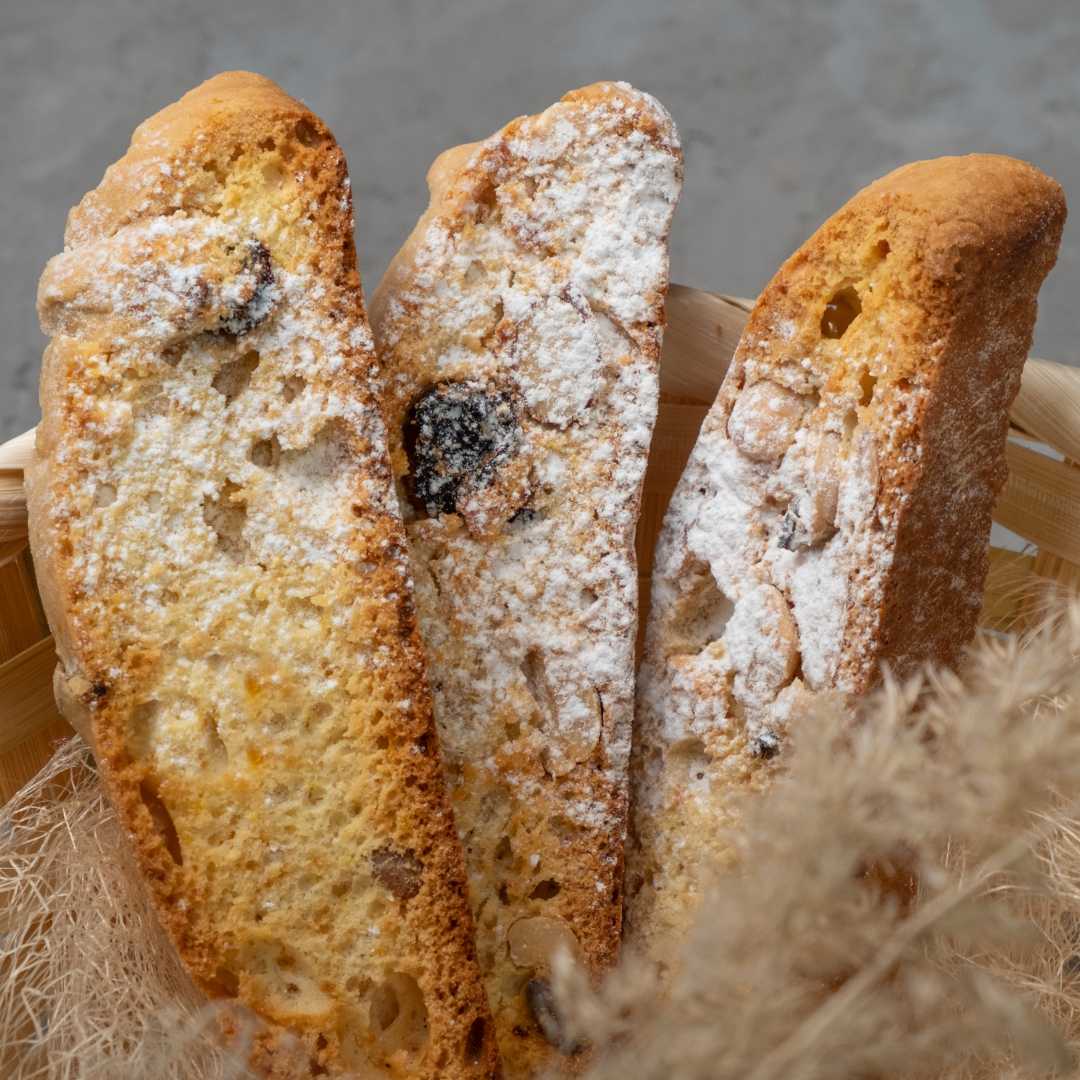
1040 505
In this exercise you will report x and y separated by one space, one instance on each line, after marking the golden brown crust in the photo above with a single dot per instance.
834 515
235 617
530 296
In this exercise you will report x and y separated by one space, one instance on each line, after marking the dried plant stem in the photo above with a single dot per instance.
907 933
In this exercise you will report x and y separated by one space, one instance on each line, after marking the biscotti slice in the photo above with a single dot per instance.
223 564
520 330
835 512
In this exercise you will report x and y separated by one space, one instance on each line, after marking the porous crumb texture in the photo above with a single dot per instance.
520 329
835 512
223 562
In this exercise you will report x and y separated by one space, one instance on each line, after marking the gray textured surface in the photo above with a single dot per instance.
785 108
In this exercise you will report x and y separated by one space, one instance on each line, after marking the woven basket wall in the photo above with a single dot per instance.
1040 504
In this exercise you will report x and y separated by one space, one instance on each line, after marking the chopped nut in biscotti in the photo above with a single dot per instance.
763 643
558 357
809 477
764 420
534 941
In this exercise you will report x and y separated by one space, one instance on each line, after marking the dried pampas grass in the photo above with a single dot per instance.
89 985
908 901
908 904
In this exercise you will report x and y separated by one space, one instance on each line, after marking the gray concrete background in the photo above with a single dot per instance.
785 108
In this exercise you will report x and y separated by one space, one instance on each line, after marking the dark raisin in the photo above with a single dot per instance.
525 516
787 537
257 279
541 1002
397 871
100 690
458 436
765 746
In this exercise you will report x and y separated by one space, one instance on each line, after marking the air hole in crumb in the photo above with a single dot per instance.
503 849
840 312
701 613
691 756
513 730
163 821
215 744
398 1014
882 249
233 377
503 893
474 1040
563 827
535 673
588 597
851 422
273 174
546 890
104 495
382 742
867 384
322 458
266 453
291 387
141 728
341 887
216 169
306 133
268 143
226 515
